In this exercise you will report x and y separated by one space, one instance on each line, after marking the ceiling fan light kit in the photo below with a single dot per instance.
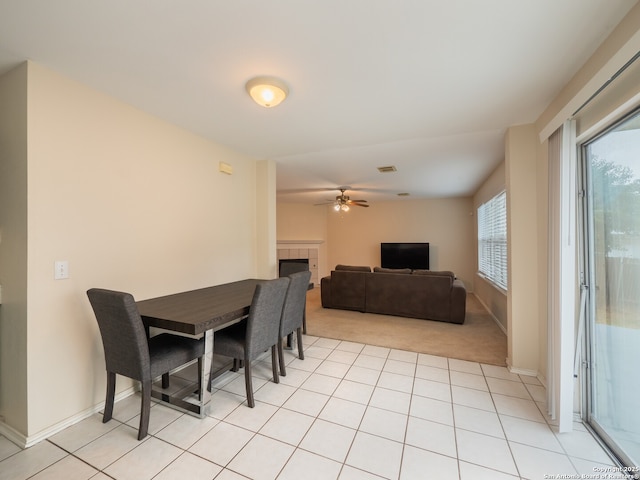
343 203
267 91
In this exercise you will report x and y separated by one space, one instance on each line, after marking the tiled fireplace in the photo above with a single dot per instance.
306 250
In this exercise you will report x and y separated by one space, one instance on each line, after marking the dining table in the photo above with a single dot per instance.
198 313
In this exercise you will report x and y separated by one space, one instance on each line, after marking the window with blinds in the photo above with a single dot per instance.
492 240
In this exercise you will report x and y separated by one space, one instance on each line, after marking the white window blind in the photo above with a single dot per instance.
492 240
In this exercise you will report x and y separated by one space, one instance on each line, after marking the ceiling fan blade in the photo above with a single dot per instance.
305 190
343 200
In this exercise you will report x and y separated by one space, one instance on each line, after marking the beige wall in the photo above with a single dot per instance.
354 237
493 298
265 228
132 203
13 248
542 222
521 145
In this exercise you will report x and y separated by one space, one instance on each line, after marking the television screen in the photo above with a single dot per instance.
405 255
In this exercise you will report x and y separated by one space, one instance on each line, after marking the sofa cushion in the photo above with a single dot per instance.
392 270
445 273
353 268
408 296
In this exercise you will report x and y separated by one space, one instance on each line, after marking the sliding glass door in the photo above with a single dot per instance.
611 183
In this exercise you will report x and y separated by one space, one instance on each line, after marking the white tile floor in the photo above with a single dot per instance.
348 411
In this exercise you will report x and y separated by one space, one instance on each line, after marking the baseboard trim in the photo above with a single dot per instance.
495 319
523 371
519 371
28 441
12 435
542 379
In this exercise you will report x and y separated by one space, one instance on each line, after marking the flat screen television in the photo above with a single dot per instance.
405 255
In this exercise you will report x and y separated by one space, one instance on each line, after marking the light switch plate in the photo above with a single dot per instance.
61 270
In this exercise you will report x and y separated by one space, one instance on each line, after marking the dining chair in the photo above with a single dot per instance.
289 267
248 339
130 353
286 269
293 313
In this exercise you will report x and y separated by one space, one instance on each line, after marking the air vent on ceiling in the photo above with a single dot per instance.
387 169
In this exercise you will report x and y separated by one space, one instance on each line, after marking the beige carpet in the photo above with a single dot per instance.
479 339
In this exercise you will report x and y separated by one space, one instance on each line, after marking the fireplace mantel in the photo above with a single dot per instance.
299 242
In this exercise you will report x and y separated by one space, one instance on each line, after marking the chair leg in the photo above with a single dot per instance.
236 364
111 391
304 320
283 371
248 383
274 363
300 350
201 387
145 409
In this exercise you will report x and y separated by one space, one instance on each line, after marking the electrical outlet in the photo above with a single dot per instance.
61 270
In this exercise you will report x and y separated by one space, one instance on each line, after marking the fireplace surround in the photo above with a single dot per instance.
304 251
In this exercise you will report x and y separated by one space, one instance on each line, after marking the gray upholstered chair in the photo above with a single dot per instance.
129 352
293 313
246 340
286 270
289 267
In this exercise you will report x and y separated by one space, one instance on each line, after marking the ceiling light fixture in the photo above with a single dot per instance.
267 91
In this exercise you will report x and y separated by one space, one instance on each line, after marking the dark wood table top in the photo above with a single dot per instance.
197 311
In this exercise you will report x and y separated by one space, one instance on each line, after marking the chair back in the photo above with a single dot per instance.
126 348
287 268
263 323
295 301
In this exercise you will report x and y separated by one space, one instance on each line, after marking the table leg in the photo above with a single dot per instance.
189 394
204 395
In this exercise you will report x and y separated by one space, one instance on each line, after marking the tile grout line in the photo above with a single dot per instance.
453 415
506 438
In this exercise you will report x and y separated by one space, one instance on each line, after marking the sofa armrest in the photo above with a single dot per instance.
325 292
458 302
344 290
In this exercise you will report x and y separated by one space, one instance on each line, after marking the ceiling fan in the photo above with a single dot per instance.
343 202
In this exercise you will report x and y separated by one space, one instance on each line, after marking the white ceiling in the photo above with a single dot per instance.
426 85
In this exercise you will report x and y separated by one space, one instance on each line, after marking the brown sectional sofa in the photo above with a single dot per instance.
426 294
